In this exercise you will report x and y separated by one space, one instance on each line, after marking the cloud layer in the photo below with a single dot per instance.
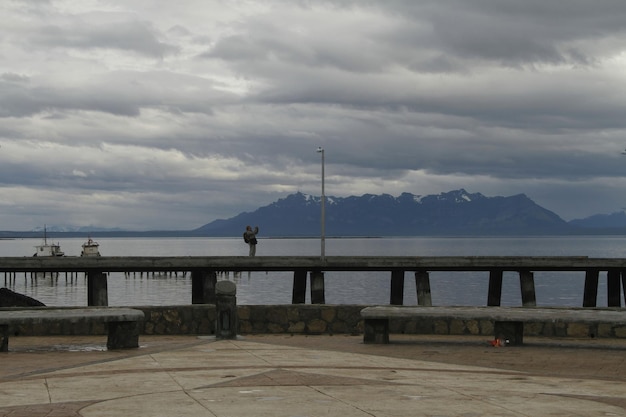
168 115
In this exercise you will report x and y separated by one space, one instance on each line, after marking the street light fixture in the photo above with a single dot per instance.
323 220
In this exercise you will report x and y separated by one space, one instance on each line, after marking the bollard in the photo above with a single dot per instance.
226 309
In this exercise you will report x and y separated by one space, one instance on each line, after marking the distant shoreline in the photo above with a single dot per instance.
4 235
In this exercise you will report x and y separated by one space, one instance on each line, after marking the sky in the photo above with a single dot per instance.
162 115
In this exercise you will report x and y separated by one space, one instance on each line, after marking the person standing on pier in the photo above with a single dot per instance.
249 236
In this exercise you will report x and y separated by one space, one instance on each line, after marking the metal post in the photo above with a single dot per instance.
323 203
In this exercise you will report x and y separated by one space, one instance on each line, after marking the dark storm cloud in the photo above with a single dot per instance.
130 108
517 33
528 34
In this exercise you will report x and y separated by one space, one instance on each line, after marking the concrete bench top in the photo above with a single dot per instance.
524 314
106 314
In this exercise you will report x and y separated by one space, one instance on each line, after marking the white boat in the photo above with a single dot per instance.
90 248
48 249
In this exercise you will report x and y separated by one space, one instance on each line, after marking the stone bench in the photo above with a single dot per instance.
508 322
122 323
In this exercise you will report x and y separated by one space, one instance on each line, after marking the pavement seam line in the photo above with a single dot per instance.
341 401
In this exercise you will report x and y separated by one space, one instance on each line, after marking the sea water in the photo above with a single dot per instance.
447 288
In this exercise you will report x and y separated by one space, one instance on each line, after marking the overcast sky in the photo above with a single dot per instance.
149 114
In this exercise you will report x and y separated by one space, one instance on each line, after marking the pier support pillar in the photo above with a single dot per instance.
590 295
624 282
97 290
226 323
203 287
527 285
317 288
422 285
298 295
614 296
397 287
494 297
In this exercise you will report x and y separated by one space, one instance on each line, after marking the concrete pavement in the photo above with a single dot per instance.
298 376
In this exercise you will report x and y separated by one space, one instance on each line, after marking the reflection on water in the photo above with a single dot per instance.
448 288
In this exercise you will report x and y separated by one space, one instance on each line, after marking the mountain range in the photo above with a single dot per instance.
453 213
447 214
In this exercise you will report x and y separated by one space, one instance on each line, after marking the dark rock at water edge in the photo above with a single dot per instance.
10 298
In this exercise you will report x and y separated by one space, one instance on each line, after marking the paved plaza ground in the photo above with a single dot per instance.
298 376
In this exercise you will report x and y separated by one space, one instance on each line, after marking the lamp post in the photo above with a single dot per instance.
323 221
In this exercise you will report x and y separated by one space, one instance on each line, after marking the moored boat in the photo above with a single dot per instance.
90 248
48 249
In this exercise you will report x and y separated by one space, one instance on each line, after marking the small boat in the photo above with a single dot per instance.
48 249
90 248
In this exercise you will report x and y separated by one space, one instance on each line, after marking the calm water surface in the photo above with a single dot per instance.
448 288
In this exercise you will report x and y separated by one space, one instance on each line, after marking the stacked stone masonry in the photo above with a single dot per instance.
485 328
301 319
308 319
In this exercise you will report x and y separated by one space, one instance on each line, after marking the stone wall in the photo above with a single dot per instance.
486 328
256 319
159 320
308 319
200 319
184 319
300 319
289 318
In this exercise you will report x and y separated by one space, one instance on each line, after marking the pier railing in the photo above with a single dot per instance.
204 271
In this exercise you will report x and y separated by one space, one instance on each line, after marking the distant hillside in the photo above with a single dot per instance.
601 221
453 213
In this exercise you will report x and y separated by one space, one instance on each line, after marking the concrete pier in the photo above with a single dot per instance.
204 272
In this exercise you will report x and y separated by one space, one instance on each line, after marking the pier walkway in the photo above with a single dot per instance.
204 270
281 375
